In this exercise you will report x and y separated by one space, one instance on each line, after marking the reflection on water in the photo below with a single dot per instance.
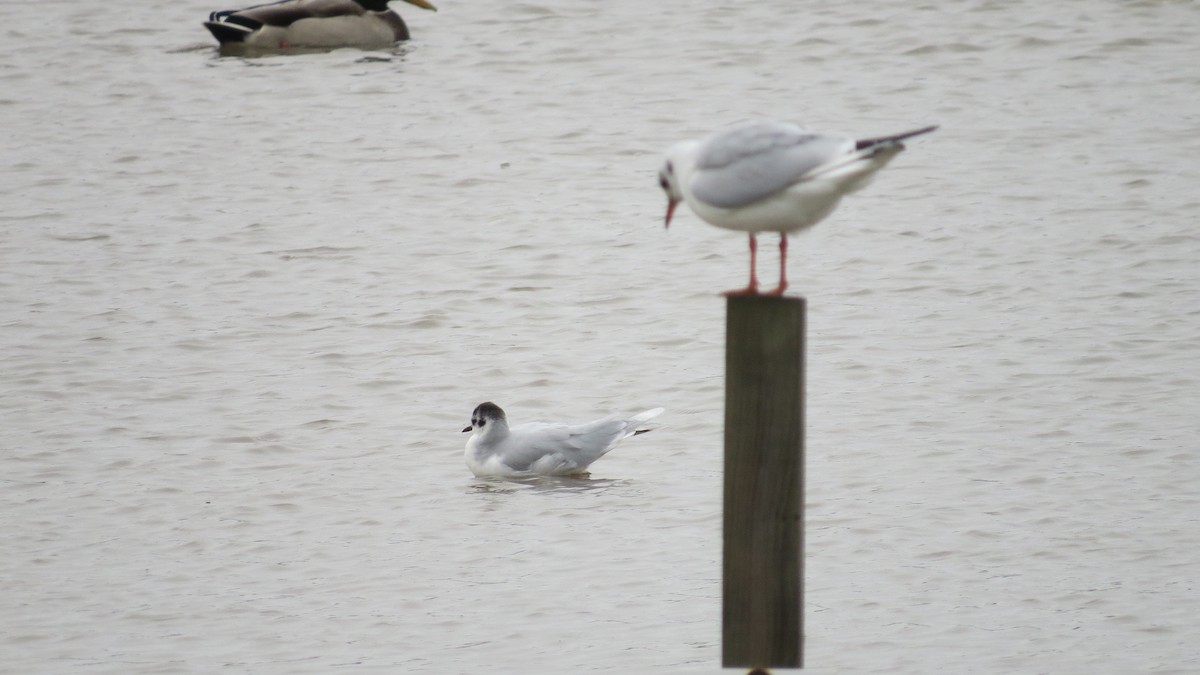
567 484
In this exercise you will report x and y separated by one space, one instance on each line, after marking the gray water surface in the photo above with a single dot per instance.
247 305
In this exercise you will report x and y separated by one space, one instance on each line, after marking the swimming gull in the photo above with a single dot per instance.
537 448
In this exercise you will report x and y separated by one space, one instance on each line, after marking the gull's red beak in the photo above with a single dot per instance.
671 204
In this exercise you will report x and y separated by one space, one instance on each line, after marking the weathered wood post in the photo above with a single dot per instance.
762 619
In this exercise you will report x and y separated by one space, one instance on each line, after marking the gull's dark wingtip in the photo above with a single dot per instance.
895 138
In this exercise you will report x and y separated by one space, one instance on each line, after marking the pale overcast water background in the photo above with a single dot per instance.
246 307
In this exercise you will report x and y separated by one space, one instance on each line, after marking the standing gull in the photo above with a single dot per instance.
496 449
765 176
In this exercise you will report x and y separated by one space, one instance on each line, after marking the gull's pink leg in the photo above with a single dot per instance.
752 289
783 284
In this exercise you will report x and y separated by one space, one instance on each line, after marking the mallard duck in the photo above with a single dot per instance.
320 24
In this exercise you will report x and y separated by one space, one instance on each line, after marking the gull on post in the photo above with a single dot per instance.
766 176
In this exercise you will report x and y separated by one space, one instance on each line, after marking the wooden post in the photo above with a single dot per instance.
763 591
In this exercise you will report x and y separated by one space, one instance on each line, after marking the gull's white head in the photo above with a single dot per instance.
486 417
676 169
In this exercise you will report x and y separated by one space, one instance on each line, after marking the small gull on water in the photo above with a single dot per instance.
537 448
765 176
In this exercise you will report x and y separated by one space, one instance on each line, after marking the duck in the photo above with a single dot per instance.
311 24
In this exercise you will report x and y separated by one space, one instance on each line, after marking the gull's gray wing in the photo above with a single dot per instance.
755 160
576 446
527 443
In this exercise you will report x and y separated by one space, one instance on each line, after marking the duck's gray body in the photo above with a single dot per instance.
313 24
